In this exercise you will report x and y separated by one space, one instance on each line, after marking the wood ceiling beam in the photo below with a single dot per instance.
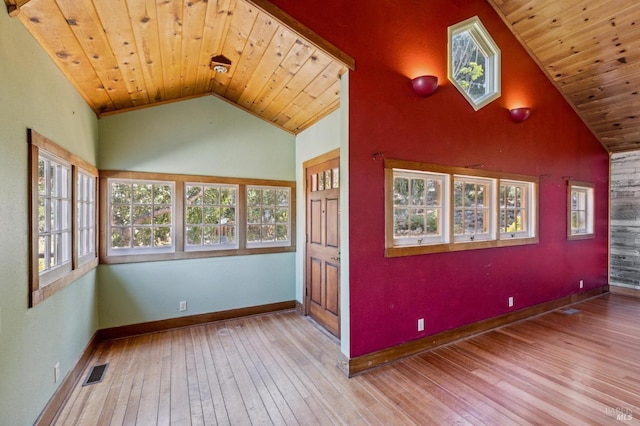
13 6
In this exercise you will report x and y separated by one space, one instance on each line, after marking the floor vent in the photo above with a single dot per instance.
570 311
96 374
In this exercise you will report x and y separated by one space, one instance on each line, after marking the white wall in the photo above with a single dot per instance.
35 94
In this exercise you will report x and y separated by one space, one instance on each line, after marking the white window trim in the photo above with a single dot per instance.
531 208
492 53
90 201
62 267
451 243
491 209
589 191
111 251
444 180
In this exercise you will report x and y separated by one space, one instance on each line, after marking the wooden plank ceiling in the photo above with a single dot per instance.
126 54
590 49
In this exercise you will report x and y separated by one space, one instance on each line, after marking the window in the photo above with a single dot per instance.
473 209
140 216
474 62
157 216
211 216
54 217
580 211
516 207
418 207
268 222
63 205
431 208
86 218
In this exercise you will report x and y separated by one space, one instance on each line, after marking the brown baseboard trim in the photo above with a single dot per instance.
168 324
63 392
366 362
624 291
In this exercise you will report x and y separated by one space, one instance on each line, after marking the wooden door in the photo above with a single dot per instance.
322 272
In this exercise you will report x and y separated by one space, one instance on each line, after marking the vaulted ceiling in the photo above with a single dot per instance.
127 54
590 49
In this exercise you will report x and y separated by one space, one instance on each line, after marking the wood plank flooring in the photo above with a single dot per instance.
557 368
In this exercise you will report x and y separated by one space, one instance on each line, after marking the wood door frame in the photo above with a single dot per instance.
305 165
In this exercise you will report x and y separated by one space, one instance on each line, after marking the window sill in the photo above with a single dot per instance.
401 251
181 255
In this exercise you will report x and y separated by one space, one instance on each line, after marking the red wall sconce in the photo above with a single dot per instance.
518 115
425 85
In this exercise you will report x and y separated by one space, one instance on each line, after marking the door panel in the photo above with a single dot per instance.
332 272
333 222
322 301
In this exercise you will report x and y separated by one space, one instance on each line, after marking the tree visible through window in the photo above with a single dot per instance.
211 216
141 215
268 216
431 208
474 62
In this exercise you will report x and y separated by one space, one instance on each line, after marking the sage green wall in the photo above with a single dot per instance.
326 135
35 94
203 136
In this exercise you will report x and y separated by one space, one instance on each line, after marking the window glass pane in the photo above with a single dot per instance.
120 237
142 193
417 192
336 177
142 237
121 193
162 236
401 191
400 222
193 195
327 179
321 181
433 222
418 224
211 235
468 65
142 215
433 193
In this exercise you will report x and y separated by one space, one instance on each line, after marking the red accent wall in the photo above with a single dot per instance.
393 41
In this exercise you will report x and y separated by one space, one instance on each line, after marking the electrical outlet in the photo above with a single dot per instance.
581 284
56 372
511 301
183 306
421 324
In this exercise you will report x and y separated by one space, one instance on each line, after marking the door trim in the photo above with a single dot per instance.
305 165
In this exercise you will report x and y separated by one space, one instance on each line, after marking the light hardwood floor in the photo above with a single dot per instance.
557 368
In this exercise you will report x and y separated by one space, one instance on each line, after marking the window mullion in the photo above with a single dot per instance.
180 226
241 229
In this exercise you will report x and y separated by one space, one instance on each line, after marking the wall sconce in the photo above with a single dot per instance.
425 85
220 64
518 115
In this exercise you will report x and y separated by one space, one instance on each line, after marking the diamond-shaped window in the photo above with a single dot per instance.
474 62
